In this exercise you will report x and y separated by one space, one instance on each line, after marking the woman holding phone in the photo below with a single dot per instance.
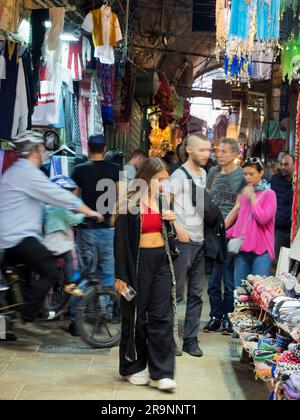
144 264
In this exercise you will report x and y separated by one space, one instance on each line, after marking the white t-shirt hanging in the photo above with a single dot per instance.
20 122
104 52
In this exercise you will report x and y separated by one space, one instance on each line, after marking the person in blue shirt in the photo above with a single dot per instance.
23 190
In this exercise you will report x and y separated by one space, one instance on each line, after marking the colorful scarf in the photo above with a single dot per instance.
263 186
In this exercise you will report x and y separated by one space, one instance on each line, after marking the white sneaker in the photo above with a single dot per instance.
138 379
165 384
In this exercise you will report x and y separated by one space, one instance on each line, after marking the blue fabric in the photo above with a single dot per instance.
103 240
237 65
56 165
107 114
268 20
221 304
247 263
23 189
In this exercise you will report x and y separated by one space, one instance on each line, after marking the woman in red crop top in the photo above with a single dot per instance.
143 261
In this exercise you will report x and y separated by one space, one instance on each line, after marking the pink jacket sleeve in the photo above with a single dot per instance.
265 208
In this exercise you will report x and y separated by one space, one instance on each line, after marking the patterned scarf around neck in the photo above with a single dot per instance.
263 186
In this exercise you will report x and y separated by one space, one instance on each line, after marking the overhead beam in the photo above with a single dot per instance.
200 94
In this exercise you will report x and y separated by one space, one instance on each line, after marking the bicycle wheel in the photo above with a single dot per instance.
98 318
57 299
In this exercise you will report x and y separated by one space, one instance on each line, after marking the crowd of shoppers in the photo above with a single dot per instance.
186 217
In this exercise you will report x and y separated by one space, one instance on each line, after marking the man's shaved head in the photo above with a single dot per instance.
193 139
198 148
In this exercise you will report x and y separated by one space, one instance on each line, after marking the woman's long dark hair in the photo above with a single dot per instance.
151 167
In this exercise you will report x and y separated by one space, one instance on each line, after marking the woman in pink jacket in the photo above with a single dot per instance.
254 217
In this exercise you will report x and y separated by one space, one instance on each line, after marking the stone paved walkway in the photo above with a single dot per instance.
61 367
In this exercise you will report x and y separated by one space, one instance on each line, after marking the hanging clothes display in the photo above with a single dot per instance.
9 88
242 17
289 37
75 125
105 27
127 94
241 36
47 111
68 102
83 111
29 80
290 58
289 21
61 165
223 12
95 120
72 59
250 21
67 86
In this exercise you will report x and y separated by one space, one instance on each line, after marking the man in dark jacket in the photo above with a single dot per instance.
282 184
225 182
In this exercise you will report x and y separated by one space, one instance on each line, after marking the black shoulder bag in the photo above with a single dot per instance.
210 210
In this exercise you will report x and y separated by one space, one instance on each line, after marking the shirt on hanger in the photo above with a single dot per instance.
86 51
105 34
20 122
48 110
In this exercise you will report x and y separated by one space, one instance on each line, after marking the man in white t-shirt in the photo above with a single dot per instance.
190 266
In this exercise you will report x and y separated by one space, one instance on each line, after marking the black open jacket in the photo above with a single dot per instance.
215 243
127 253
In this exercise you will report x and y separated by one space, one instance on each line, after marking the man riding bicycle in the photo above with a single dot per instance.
23 190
